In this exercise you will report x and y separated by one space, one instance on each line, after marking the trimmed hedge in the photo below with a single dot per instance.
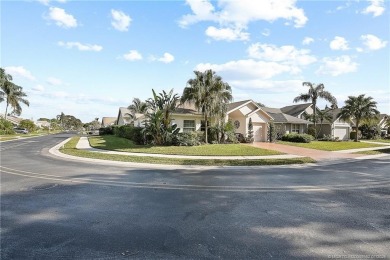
297 138
125 131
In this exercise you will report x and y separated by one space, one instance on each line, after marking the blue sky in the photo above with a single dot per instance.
88 58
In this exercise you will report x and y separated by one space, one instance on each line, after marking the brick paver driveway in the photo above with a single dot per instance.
315 154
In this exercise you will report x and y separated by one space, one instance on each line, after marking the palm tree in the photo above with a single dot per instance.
315 92
138 106
321 116
358 108
13 95
209 94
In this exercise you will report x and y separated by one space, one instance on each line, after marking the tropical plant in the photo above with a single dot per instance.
12 94
138 106
209 94
370 128
358 108
6 127
320 116
314 93
158 124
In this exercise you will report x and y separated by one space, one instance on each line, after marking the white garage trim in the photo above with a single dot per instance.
341 132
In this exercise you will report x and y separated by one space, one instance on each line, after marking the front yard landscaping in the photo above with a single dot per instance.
332 146
110 142
70 148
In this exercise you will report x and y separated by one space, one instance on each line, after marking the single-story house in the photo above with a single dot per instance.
383 123
240 113
108 121
42 123
336 128
13 119
186 116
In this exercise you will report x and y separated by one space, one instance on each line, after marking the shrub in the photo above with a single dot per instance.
297 138
188 139
311 131
109 130
6 127
370 131
28 124
130 132
250 138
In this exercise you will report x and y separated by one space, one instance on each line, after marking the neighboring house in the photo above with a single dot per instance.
14 120
383 123
336 128
108 121
240 113
41 124
186 117
300 110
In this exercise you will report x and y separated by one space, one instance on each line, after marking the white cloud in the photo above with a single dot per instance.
372 42
121 21
19 71
337 66
286 53
166 58
266 32
59 94
243 69
80 46
307 40
46 2
54 81
132 55
234 16
227 34
39 88
62 18
339 43
376 7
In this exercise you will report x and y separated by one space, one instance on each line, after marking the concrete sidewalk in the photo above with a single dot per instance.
320 155
83 144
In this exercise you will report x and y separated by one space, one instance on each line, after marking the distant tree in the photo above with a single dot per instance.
314 93
358 108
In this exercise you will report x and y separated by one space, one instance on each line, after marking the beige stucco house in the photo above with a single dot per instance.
336 127
108 121
240 113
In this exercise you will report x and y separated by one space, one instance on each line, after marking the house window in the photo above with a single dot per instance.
295 128
189 125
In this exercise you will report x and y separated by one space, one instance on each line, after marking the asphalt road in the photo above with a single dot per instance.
59 209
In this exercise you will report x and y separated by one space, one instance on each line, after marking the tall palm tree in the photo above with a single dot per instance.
358 108
314 93
209 94
14 96
138 106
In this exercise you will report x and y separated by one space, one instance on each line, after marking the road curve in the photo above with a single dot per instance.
54 208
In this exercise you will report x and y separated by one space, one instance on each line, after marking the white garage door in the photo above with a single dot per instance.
342 133
258 133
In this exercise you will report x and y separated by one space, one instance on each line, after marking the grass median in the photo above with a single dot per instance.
375 152
70 148
114 143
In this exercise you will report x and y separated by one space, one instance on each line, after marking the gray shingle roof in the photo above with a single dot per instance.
280 117
295 110
187 108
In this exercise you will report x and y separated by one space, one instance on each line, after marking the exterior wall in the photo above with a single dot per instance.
326 129
179 120
243 124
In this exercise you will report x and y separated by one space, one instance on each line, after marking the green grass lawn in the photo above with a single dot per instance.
70 148
331 146
109 142
18 136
